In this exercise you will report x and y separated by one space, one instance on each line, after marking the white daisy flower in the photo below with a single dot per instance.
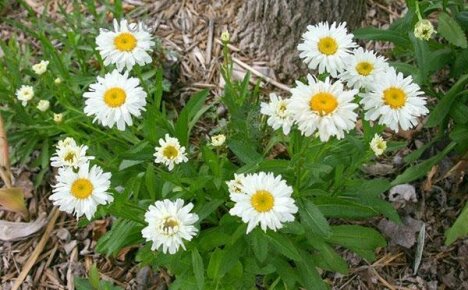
424 29
378 145
25 94
58 118
43 105
40 68
58 81
81 192
218 140
326 46
362 68
278 114
236 185
69 154
170 152
323 106
395 101
127 45
266 200
169 223
114 99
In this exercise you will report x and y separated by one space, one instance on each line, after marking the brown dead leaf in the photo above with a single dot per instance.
13 199
401 234
14 231
99 228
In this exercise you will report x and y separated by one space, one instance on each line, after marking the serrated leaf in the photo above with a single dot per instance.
245 152
451 30
311 279
284 245
313 219
259 244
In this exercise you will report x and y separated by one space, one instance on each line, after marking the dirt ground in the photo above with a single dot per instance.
190 29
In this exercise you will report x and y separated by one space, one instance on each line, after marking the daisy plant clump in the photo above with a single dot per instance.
247 208
430 48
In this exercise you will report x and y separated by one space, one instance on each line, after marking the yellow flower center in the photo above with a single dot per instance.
327 45
364 68
170 152
262 201
282 109
169 226
115 97
69 156
394 97
82 188
323 103
125 41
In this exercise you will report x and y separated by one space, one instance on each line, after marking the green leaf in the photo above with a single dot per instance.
214 264
287 273
150 181
459 134
326 257
459 228
313 219
344 207
359 239
244 151
122 234
189 115
419 170
459 112
462 18
259 243
372 33
451 30
198 268
284 245
421 53
206 209
94 277
441 110
310 277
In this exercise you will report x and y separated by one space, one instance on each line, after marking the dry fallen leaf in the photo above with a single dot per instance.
13 199
401 234
402 193
14 231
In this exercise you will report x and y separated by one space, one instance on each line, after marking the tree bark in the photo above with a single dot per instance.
271 29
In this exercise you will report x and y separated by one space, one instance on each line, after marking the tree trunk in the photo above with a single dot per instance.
271 29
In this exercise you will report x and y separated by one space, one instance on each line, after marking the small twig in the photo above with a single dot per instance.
260 75
209 44
37 251
70 278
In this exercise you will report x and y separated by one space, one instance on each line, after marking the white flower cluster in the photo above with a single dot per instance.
328 107
26 93
115 98
80 188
